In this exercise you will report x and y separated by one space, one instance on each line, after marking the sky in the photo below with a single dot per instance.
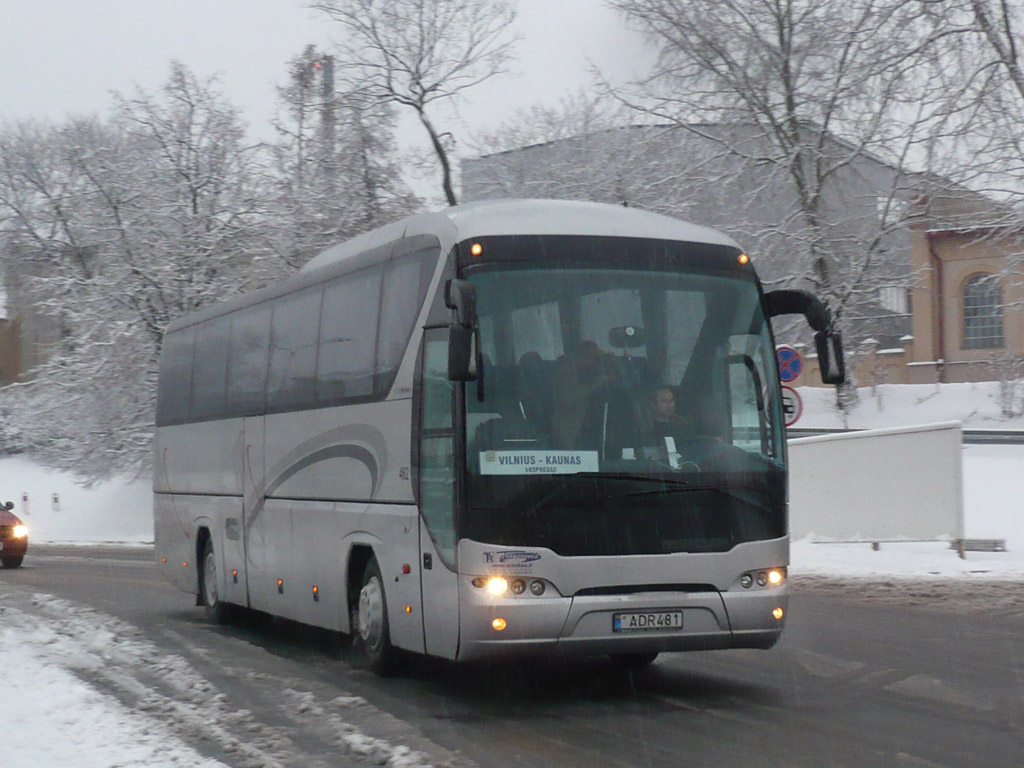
64 57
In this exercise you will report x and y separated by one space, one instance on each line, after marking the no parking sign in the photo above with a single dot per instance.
789 361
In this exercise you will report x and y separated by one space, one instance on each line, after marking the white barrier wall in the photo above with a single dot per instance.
878 485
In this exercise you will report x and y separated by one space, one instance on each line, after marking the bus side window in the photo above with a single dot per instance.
175 395
209 373
347 337
247 362
405 283
437 445
291 376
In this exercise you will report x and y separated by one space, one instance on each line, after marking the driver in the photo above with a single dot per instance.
665 422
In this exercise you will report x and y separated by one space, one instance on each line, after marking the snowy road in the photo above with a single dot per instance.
124 659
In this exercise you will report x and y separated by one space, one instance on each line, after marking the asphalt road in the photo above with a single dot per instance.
866 675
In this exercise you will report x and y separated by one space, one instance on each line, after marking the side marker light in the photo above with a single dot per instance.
777 613
499 624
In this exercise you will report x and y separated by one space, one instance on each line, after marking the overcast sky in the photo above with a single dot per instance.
64 57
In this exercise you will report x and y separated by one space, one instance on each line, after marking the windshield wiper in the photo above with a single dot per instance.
568 479
681 486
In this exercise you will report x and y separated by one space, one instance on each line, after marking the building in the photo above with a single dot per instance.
732 178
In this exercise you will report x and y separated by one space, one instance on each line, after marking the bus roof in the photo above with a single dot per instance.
526 217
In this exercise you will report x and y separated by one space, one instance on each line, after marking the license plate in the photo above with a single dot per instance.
647 621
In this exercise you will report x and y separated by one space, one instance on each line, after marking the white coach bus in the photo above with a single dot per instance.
508 428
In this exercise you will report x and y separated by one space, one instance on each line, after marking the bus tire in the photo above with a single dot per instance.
373 634
633 660
217 611
12 562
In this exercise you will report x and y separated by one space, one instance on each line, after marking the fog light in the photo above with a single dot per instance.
499 624
762 579
518 586
496 585
775 577
777 613
746 580
537 587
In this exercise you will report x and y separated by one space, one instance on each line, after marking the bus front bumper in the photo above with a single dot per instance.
588 625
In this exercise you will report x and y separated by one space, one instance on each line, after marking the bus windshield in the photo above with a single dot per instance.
624 410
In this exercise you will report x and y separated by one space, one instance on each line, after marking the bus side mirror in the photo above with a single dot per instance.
460 295
462 363
827 341
9 505
829 345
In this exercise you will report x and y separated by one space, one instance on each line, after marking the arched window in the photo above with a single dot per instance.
983 313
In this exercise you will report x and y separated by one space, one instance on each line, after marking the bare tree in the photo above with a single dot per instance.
419 52
818 109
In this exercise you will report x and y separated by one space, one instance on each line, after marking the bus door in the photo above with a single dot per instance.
436 497
253 488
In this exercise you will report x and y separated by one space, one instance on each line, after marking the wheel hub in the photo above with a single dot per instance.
371 613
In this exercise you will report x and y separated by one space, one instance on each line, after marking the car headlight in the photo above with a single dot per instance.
20 531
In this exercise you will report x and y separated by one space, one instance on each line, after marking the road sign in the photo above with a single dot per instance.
792 405
790 362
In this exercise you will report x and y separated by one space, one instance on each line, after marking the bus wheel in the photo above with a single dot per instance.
374 635
12 562
633 660
216 610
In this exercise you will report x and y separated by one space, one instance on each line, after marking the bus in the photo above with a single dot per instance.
440 438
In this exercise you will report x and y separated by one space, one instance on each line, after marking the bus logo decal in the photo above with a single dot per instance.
511 557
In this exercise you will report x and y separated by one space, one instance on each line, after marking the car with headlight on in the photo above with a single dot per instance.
13 537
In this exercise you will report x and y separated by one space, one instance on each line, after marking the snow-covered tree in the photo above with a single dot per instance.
114 229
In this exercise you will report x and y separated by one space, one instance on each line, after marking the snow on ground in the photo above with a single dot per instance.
52 717
50 647
88 690
975 405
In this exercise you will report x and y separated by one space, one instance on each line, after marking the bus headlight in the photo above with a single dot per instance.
497 585
769 577
20 531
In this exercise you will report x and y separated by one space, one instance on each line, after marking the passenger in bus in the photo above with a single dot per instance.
583 382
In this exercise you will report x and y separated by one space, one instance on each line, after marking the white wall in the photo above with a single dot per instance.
878 485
